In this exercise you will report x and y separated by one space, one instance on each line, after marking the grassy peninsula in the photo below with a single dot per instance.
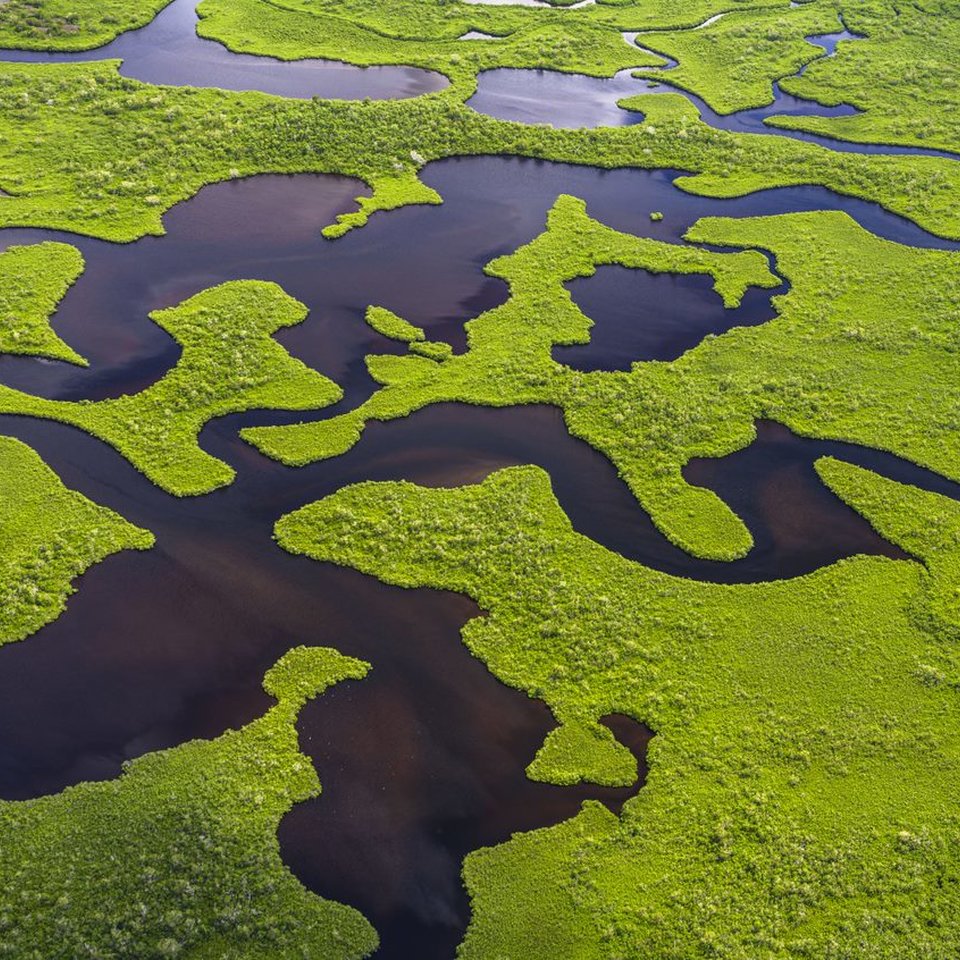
49 535
178 857
800 800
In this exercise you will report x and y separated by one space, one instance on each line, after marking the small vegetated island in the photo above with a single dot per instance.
803 798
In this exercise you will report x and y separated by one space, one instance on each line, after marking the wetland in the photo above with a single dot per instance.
636 417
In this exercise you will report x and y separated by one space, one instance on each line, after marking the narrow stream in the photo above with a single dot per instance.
574 100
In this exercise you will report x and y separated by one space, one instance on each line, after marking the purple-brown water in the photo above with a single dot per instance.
425 759
168 51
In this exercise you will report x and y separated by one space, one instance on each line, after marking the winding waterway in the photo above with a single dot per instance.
424 760
575 100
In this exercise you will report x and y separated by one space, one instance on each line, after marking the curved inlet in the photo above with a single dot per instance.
168 51
405 808
574 100
640 315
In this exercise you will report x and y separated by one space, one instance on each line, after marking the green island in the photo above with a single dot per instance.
178 857
847 358
230 363
49 535
71 24
803 777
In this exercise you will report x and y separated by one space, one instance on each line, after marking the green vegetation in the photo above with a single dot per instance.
733 62
802 794
848 358
86 150
904 76
425 33
388 324
803 779
179 856
71 24
33 280
230 363
49 535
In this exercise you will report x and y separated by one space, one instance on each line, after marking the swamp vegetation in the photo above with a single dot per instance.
803 778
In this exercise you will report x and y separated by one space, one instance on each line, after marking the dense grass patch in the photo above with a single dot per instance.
49 535
801 800
33 281
71 24
230 363
179 857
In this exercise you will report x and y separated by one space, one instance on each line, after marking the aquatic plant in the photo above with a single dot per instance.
179 855
49 535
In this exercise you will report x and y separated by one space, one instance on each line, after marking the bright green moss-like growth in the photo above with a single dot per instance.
230 363
49 535
801 799
179 855
388 324
33 280
161 145
733 62
850 357
71 24
903 76
577 751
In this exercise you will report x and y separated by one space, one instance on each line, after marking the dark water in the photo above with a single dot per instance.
168 51
640 315
423 761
